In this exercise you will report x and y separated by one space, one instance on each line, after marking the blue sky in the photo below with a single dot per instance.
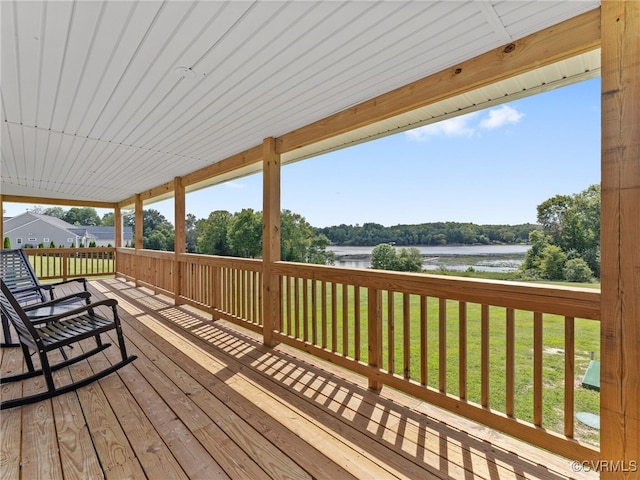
489 167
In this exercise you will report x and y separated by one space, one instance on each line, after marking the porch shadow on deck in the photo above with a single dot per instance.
207 400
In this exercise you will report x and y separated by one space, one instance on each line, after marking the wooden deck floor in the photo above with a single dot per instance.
207 400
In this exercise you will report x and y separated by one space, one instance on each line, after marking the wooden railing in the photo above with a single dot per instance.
66 263
505 354
227 287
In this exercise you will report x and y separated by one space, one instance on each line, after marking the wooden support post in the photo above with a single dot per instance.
620 240
270 240
180 236
138 235
374 320
117 223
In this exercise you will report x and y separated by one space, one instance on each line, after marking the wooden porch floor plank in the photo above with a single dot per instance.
79 459
39 439
12 361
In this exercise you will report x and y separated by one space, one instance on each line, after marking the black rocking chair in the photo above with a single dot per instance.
18 274
51 333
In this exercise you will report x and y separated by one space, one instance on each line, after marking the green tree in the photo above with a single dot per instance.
157 232
245 234
577 270
300 243
57 212
214 233
573 224
539 241
82 216
7 243
409 260
191 233
108 219
552 261
384 257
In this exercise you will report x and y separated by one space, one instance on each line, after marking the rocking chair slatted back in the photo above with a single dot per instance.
17 274
50 333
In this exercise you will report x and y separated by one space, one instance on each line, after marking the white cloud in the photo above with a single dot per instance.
234 184
453 127
467 125
499 117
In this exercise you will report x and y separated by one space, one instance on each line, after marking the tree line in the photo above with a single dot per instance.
431 234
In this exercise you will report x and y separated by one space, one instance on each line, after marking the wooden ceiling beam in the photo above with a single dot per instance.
57 201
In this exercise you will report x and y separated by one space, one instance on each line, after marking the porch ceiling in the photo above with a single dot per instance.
102 100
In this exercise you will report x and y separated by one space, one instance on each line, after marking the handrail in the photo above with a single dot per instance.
66 263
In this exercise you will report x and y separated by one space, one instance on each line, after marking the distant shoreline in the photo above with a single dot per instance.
364 252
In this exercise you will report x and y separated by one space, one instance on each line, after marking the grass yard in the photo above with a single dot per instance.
87 264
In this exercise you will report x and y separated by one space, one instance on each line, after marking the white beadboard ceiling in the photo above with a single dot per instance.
105 99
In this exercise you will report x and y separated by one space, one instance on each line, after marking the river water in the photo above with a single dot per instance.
459 258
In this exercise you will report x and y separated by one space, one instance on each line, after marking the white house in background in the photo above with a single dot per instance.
31 229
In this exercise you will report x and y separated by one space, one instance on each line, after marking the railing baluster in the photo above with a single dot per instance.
314 312
537 368
569 374
305 309
484 355
442 345
391 340
356 308
297 307
324 320
424 366
510 339
345 319
334 316
406 333
462 349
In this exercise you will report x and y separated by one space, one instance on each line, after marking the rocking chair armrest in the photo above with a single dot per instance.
87 307
33 288
65 299
81 280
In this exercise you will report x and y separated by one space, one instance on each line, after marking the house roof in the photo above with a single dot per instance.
94 232
29 217
106 99
108 232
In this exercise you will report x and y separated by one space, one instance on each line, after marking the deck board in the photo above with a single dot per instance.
208 400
